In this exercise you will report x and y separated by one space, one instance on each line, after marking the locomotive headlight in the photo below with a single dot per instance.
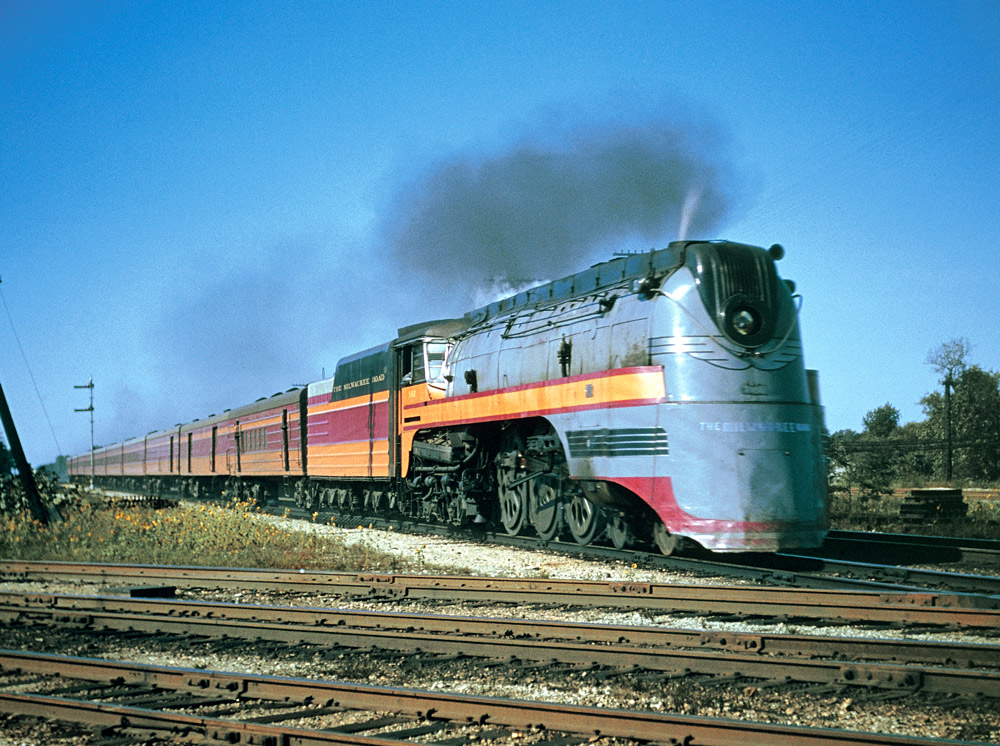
745 322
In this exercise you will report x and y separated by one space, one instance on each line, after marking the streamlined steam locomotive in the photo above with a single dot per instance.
656 397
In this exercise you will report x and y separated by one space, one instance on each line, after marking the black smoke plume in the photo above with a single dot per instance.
275 320
546 208
472 225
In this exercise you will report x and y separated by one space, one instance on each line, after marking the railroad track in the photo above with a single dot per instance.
832 566
801 568
908 610
149 697
818 569
903 548
604 650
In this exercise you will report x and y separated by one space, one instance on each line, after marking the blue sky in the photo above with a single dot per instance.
194 197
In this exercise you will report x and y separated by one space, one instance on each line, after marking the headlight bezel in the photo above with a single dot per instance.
746 321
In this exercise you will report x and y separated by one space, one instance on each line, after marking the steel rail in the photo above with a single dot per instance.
178 727
907 548
954 654
617 647
948 609
922 539
798 570
591 722
901 577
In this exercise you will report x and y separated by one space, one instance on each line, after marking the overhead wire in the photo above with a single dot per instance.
790 195
31 374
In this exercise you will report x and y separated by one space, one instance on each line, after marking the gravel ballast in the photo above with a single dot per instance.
849 709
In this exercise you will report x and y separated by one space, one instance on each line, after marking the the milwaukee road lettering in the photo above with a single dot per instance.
756 427
359 383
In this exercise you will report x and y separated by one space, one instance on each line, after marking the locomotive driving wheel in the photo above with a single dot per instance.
620 530
513 498
584 518
545 506
513 501
667 542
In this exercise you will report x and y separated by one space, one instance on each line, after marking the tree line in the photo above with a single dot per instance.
958 442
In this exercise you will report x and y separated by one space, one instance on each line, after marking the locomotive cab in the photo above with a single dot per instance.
420 353
423 361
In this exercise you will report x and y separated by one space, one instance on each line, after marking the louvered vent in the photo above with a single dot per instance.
731 277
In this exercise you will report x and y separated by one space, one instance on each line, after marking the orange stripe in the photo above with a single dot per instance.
336 449
349 459
616 388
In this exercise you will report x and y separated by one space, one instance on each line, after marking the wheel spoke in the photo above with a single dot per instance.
512 510
544 506
513 500
584 518
620 530
665 541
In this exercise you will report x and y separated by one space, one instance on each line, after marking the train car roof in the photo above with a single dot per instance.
276 400
441 328
376 350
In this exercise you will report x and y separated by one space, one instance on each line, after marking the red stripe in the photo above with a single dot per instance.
349 425
658 492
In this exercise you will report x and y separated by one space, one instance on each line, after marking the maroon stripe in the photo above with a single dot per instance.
658 492
349 425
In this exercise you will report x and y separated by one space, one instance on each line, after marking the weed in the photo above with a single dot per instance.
235 535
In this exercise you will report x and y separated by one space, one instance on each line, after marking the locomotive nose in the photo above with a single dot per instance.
739 287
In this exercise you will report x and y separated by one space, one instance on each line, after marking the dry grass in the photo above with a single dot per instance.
203 534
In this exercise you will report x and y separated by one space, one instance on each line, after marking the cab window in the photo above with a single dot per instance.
411 364
417 365
424 362
436 354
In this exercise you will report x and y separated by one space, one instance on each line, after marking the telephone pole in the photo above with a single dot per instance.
24 471
949 384
90 385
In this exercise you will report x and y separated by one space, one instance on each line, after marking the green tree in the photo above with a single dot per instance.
975 424
867 461
915 465
949 360
882 422
877 459
840 454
